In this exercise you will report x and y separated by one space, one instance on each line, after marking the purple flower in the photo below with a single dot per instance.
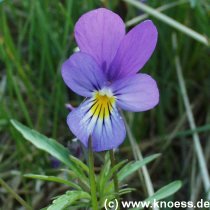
105 72
55 163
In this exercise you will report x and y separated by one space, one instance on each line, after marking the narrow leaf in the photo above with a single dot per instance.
68 199
166 191
80 163
53 179
130 168
49 145
162 193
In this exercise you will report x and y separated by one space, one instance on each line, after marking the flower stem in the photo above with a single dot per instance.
92 176
116 186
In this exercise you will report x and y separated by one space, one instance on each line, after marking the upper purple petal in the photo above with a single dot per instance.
134 51
82 74
99 33
136 93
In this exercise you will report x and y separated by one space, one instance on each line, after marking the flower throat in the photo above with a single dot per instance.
103 103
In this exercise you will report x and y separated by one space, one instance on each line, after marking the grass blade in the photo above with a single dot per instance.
53 179
15 195
196 139
171 22
138 156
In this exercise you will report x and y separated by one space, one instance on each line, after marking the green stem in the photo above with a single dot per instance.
14 194
116 186
92 176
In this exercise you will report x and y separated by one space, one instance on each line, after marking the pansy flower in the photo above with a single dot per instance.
104 71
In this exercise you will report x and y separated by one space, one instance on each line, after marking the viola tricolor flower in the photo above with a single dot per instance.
105 72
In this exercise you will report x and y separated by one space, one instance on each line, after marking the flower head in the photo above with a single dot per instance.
105 72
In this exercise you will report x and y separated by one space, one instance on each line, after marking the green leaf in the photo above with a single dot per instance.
103 174
117 167
130 168
126 191
50 146
42 142
162 193
166 191
80 163
105 180
68 199
53 179
83 182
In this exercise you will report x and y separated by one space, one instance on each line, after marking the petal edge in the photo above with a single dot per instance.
136 93
82 74
135 50
99 33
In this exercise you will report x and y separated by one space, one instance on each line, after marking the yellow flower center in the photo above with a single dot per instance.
103 103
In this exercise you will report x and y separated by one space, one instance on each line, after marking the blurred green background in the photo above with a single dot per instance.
37 36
